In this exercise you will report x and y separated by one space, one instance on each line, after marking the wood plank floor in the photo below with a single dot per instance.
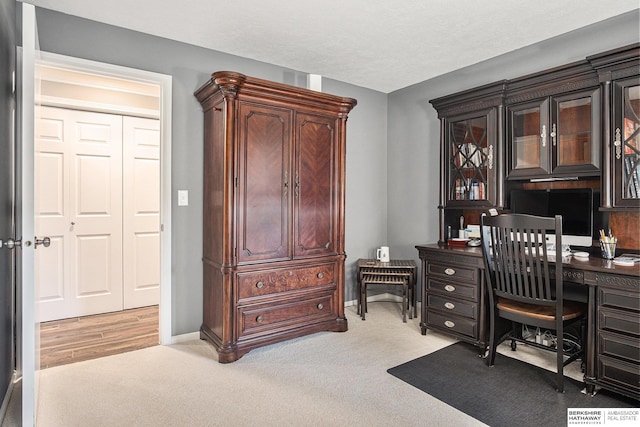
83 338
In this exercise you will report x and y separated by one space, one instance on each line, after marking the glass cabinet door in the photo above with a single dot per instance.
529 153
574 133
472 160
626 144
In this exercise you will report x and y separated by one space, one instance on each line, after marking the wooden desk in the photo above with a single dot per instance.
455 275
395 272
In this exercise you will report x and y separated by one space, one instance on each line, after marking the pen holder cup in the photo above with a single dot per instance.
608 249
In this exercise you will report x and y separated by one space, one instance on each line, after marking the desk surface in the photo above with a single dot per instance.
593 263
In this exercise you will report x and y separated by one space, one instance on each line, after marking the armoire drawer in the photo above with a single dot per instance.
452 323
455 306
454 289
269 318
453 272
260 283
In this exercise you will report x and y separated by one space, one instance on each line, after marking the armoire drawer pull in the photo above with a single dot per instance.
449 288
449 324
449 271
259 319
449 305
320 275
320 306
259 285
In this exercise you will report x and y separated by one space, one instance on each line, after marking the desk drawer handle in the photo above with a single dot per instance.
449 288
259 319
449 271
449 324
259 285
449 305
320 306
320 275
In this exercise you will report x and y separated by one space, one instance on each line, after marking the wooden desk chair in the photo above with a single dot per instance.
521 289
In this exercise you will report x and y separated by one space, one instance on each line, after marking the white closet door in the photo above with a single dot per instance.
78 192
141 212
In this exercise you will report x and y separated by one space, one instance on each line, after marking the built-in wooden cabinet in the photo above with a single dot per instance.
617 336
553 124
471 126
454 295
274 199
626 143
619 74
576 126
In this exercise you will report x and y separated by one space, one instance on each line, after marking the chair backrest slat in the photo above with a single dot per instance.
516 256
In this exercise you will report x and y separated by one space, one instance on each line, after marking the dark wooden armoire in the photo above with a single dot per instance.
274 200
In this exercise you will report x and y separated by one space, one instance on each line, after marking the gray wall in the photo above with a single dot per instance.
7 104
413 139
190 66
392 140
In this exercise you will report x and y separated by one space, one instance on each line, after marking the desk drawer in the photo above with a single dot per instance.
619 321
619 373
259 283
460 307
619 346
454 289
452 323
617 298
453 272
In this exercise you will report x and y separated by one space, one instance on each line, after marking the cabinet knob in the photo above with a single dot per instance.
259 319
449 305
320 306
320 275
449 288
449 271
259 285
553 134
449 324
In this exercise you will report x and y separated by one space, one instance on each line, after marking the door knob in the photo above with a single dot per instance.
12 243
45 241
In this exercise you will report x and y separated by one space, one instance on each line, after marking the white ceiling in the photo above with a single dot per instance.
383 45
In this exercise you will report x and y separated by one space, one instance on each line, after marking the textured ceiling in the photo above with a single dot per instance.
383 45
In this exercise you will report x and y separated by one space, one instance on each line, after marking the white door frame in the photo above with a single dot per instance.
27 348
165 82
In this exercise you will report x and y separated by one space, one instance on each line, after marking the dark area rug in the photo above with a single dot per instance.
511 393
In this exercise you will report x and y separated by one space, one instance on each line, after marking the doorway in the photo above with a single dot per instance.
125 105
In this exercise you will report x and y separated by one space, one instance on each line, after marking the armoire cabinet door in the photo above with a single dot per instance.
263 182
315 186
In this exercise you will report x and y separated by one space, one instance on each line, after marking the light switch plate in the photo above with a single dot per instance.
183 197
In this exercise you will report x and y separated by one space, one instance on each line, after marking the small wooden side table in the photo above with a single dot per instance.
393 273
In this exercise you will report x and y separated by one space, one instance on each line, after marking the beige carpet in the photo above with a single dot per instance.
326 379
